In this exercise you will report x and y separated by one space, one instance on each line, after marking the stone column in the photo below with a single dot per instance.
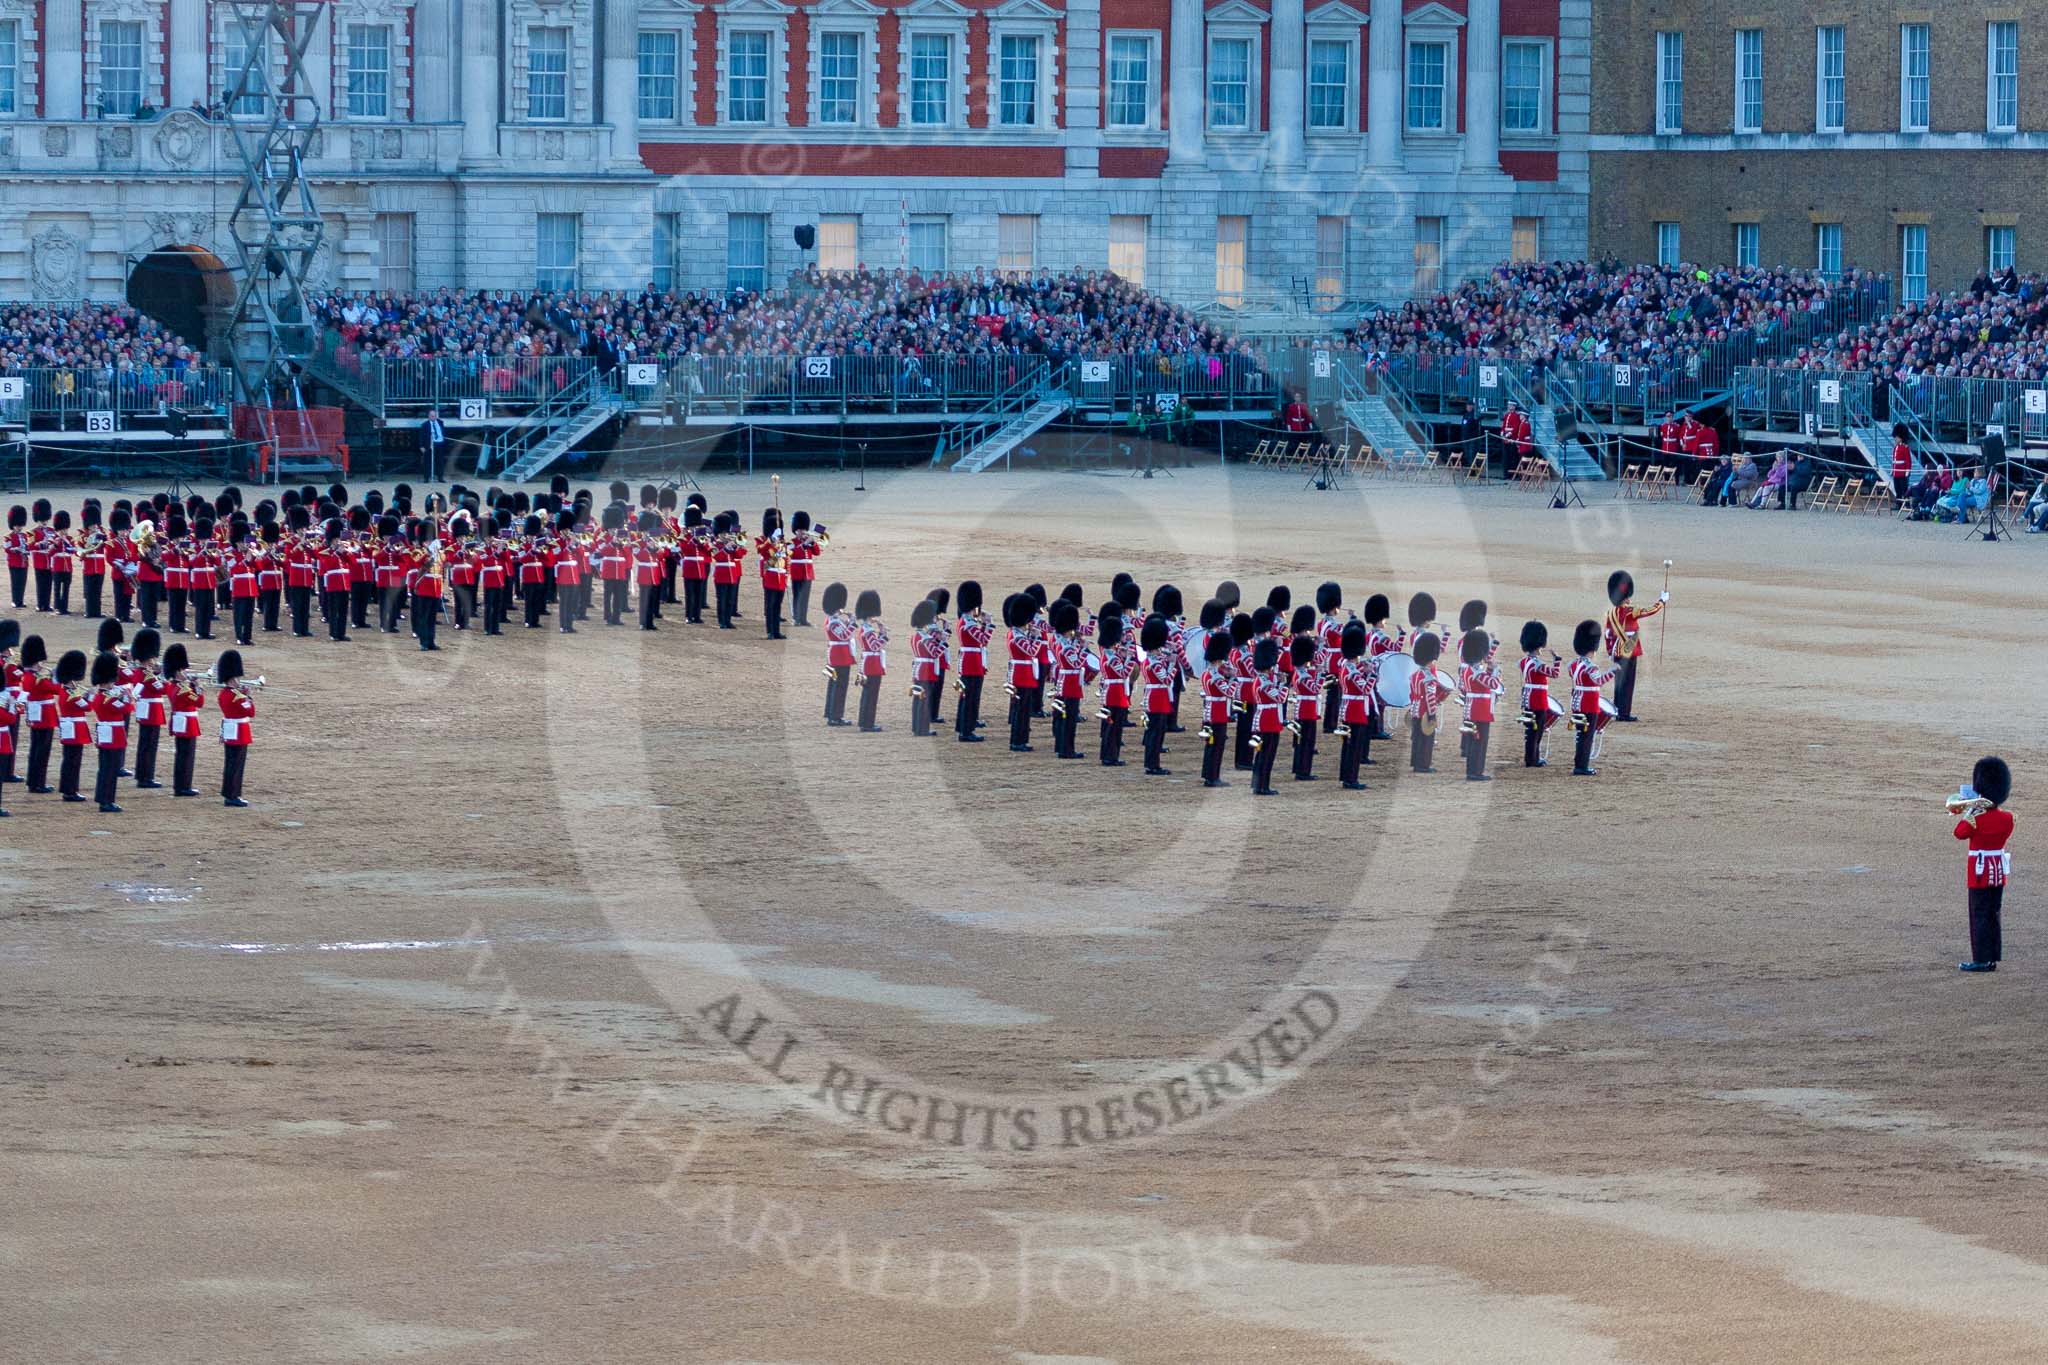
319 66
64 63
1189 67
622 78
188 53
1288 91
1085 84
480 78
1387 80
1482 85
436 95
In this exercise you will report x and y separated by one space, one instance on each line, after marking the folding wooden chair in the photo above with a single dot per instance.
1261 453
1453 466
1699 485
1667 482
1824 496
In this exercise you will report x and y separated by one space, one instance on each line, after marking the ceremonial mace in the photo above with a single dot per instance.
1663 624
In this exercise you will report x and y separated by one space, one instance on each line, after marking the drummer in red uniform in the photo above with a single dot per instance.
839 631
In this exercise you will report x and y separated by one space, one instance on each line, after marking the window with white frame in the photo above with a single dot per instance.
746 251
1524 90
1827 250
1428 74
662 270
1913 78
1749 80
1330 241
839 242
925 244
1130 80
1232 230
234 50
1670 83
1830 79
547 73
1017 81
839 79
2002 77
660 83
1127 233
1016 242
394 253
555 248
746 76
10 67
1747 238
1526 240
2001 248
1429 255
931 79
1667 245
369 71
1913 263
120 68
1329 85
1230 84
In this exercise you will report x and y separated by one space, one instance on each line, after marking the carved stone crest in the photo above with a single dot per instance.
358 148
117 143
393 144
58 260
57 140
551 146
180 139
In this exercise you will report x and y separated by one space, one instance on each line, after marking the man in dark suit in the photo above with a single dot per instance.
433 442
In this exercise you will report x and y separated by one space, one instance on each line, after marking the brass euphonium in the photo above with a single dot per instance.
1966 804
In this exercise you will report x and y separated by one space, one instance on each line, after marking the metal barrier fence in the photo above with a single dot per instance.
63 391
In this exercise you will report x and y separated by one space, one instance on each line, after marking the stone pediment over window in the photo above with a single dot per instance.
1433 16
1237 12
1016 10
1339 15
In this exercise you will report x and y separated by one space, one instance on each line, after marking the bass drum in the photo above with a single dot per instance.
1396 672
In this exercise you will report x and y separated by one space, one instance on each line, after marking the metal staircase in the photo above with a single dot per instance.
997 430
553 428
365 390
1569 457
1874 438
1375 408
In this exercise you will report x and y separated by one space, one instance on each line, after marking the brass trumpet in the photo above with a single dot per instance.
1967 805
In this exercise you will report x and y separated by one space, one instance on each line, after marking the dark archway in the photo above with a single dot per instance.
184 288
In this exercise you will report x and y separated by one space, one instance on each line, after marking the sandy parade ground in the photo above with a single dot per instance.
586 999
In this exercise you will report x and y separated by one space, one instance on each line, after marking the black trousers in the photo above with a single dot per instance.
175 600
42 589
1582 748
60 593
95 587
1020 718
568 607
17 585
870 699
1625 689
1333 698
935 698
1305 752
1421 747
1987 942
359 596
426 620
71 769
203 613
108 778
835 690
39 742
269 601
390 602
1244 752
1155 740
337 615
465 604
149 596
1353 751
1475 749
1112 741
615 598
771 607
301 600
1262 763
245 620
921 709
968 714
800 601
693 601
728 604
650 604
668 579
234 761
184 759
1532 738
8 759
146 740
1212 752
494 611
534 597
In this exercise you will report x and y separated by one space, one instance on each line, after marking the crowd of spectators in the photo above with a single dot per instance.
100 355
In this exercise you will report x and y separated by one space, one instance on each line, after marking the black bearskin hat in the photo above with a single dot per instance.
17 517
176 527
148 643
42 509
692 517
33 651
233 494
1074 593
89 515
1109 628
1242 630
649 523
1428 649
387 526
558 485
1263 619
223 507
1472 614
1421 609
1065 616
923 613
1152 635
771 521
620 490
266 512
1302 650
62 521
120 520
1128 595
869 604
799 521
1212 615
358 518
1166 600
1036 592
1329 597
229 668
940 598
834 598
238 533
1121 578
665 500
1620 586
969 596
105 669
648 493
337 493
565 520
1217 648
1265 654
1352 643
614 517
71 668
1535 635
111 636
332 529
176 660
722 524
1018 609
374 501
521 502
1992 780
195 507
1227 593
532 525
1304 619
1378 608
698 501
271 533
1280 598
10 634
1586 637
297 518
1476 643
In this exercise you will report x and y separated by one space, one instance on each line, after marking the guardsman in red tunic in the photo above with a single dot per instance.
1329 642
728 551
648 572
1479 687
150 584
1245 634
695 552
1307 683
805 544
976 630
242 569
152 705
362 567
871 640
271 572
1219 700
772 549
1425 701
187 696
1354 684
74 722
614 563
1670 435
429 586
63 560
1987 827
202 578
17 555
1590 710
493 572
462 559
39 694
1118 660
570 567
924 666
40 539
1269 709
331 571
1069 658
1158 667
1382 639
392 561
942 648
121 558
1539 709
1020 612
1623 629
12 703
1167 602
237 709
112 703
839 660
92 556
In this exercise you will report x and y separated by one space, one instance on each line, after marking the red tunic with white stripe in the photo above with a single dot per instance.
1587 680
1160 670
1024 652
874 651
236 710
1988 863
1536 676
1478 687
1308 693
839 642
110 713
1219 693
974 637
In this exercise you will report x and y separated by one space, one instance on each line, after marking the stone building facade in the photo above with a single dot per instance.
1898 138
